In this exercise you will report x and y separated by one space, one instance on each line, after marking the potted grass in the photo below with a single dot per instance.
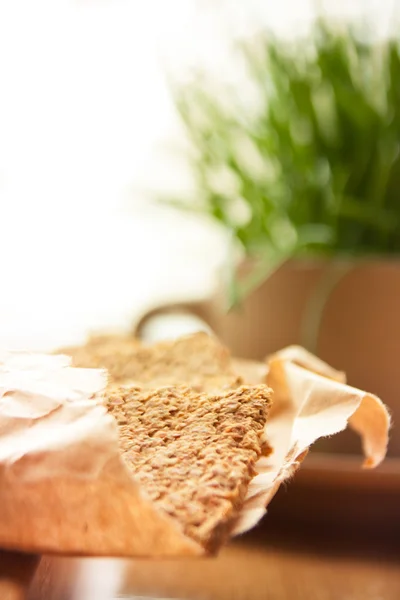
304 175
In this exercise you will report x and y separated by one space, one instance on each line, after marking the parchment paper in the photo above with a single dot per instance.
311 400
64 488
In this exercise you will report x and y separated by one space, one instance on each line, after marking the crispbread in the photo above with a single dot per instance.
193 453
108 351
198 360
189 434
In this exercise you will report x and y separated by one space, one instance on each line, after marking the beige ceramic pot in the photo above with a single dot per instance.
346 313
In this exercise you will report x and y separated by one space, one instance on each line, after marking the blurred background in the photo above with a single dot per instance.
90 135
210 155
84 113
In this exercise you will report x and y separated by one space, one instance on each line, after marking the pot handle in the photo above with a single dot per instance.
173 320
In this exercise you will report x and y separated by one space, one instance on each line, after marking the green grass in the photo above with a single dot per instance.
311 165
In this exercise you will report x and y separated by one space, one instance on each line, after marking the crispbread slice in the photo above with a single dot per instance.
107 351
198 360
193 453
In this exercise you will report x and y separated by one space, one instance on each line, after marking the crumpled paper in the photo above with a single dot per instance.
65 489
311 400
63 485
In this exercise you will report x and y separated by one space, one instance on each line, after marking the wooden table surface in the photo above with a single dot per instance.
341 542
268 564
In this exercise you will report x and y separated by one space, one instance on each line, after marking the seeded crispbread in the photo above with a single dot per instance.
193 453
107 351
198 360
190 433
